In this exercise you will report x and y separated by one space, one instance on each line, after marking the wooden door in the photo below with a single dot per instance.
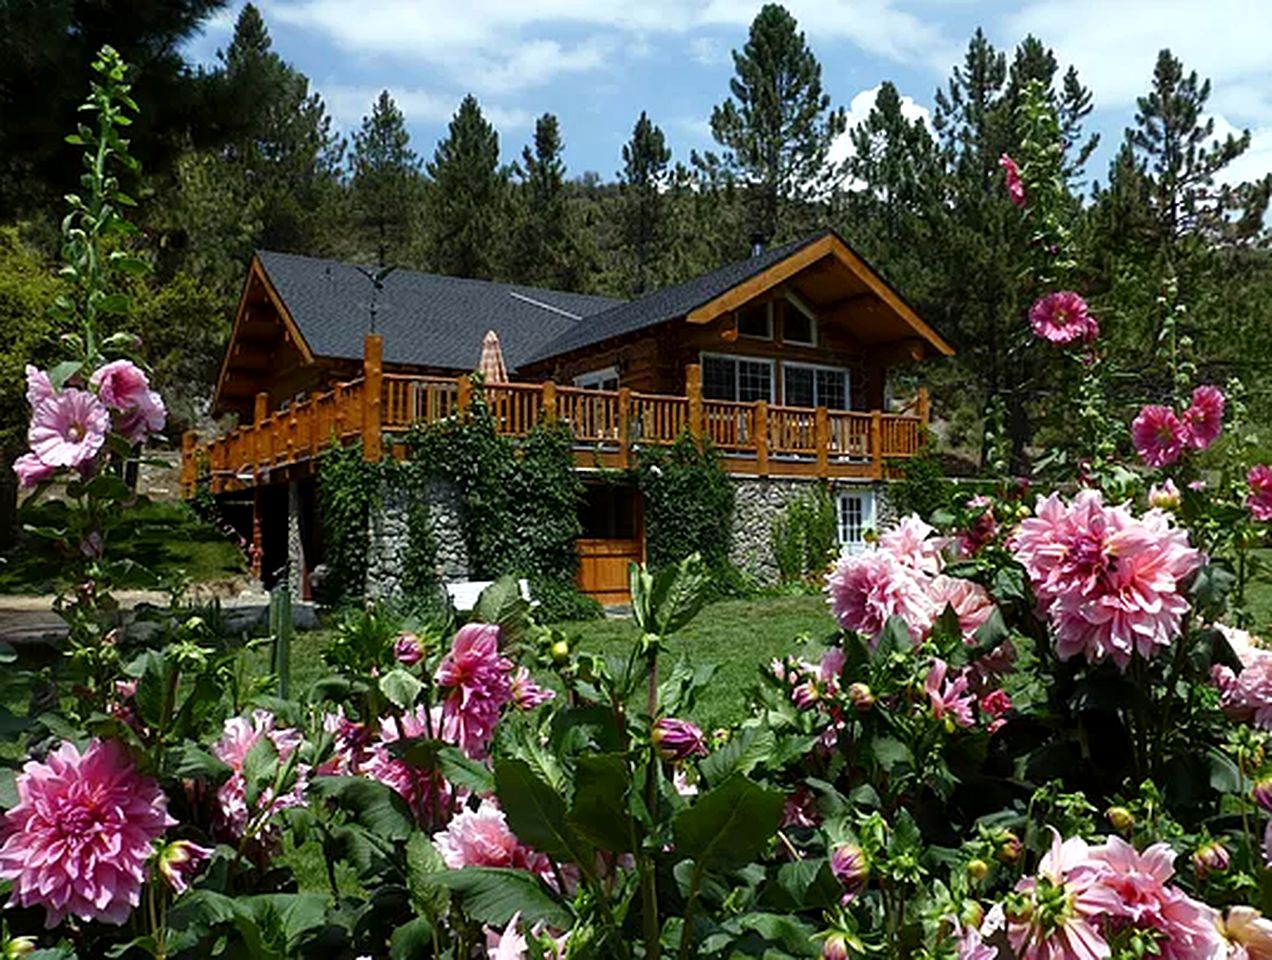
603 568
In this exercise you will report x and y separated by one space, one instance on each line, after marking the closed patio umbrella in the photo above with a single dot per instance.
491 365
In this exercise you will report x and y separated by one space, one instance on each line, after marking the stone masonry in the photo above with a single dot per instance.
388 539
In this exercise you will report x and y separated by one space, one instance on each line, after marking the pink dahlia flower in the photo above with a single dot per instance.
865 589
39 386
1141 883
996 704
1108 581
1011 176
407 649
949 697
969 600
971 946
511 945
677 740
851 868
79 838
420 788
1259 499
69 429
1247 695
527 694
1062 318
1204 417
231 817
179 863
481 838
912 543
982 530
1247 934
1158 436
1164 496
1065 903
480 683
32 471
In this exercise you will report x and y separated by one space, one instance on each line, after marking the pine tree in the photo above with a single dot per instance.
644 182
467 195
385 180
778 126
542 251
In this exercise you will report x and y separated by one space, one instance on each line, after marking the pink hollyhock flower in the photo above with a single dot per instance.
69 429
480 683
1011 175
971 603
1247 933
179 863
1203 419
408 650
143 420
851 868
1107 580
1158 436
1062 318
677 740
1140 882
865 589
232 816
39 387
78 840
1164 496
32 471
121 384
949 698
1260 498
912 543
481 838
527 694
1064 904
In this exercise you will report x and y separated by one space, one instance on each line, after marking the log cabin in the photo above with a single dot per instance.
780 360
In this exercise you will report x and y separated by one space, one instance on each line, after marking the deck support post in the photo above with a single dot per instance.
372 389
693 391
761 438
876 444
624 427
549 402
821 440
463 394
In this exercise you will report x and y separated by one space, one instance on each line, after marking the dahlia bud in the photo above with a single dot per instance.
861 697
1164 496
1123 820
977 869
806 695
179 861
1210 858
17 947
1009 848
560 652
408 650
677 739
973 914
848 864
1263 793
835 947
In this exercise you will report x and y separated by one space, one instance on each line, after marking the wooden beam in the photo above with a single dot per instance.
372 388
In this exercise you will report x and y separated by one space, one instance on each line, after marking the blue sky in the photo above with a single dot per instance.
597 63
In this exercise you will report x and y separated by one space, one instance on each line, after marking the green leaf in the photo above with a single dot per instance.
146 944
678 594
536 813
599 812
412 940
1210 588
463 771
62 372
378 808
789 933
804 885
501 604
260 767
896 638
400 687
749 747
493 894
191 762
423 867
729 825
892 755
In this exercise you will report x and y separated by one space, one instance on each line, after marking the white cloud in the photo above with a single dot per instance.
349 104
1256 162
859 108
709 51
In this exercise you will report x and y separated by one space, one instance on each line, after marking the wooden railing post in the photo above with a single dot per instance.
372 388
821 439
549 402
693 391
463 394
189 470
624 441
260 437
761 438
876 444
923 407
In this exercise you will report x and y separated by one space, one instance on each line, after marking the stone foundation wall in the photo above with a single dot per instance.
388 539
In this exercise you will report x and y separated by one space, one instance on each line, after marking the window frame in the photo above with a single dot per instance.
847 375
593 378
768 318
803 308
735 357
869 518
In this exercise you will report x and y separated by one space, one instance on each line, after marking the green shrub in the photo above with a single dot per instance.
804 535
923 489
560 600
689 502
348 490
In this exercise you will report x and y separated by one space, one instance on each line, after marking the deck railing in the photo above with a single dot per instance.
609 427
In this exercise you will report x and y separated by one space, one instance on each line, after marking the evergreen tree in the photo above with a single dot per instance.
467 195
385 180
542 251
778 126
644 181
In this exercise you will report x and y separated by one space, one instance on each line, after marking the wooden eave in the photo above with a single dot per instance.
782 271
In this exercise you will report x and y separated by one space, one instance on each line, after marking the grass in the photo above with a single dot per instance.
167 538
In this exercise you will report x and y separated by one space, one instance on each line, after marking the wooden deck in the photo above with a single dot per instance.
610 428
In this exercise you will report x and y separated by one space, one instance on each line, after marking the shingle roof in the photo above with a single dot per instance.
426 319
666 304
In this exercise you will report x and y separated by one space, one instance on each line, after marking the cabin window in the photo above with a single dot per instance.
606 379
798 325
609 511
736 378
756 320
806 385
855 512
